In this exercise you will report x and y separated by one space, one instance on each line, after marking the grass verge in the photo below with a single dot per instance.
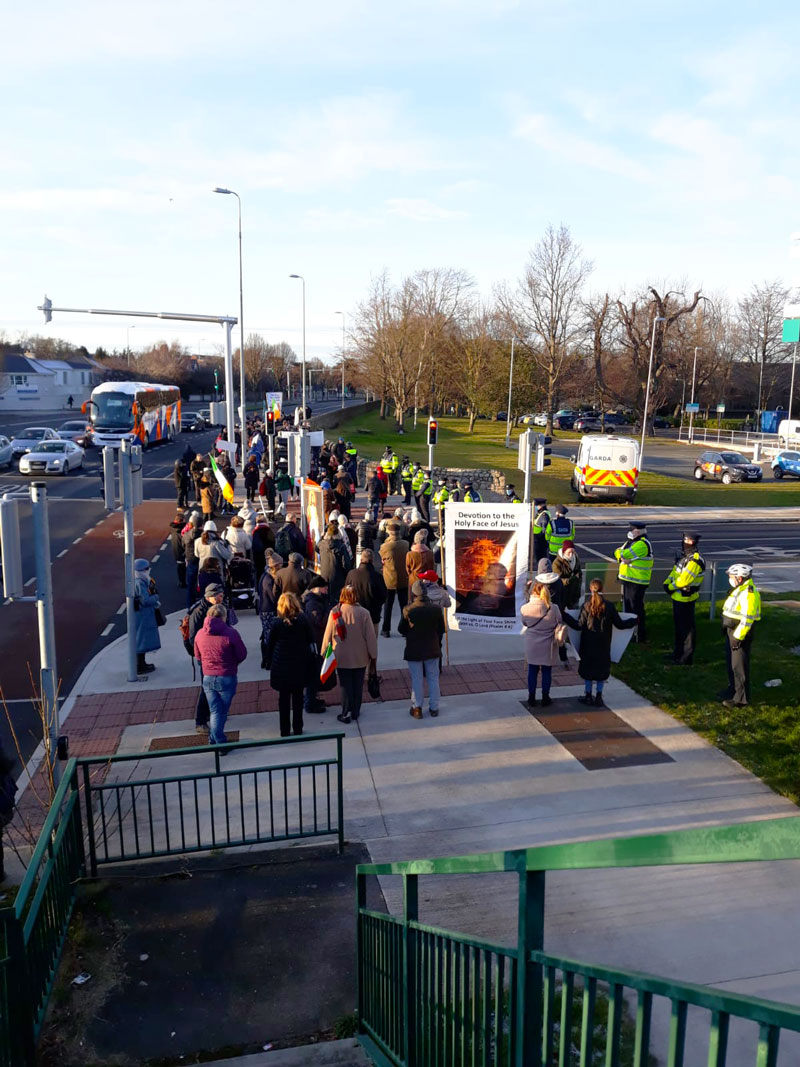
486 448
764 737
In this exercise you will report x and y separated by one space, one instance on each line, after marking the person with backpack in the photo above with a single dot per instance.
8 788
220 650
283 486
289 539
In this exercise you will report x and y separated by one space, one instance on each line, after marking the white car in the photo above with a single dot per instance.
52 457
540 419
31 437
6 451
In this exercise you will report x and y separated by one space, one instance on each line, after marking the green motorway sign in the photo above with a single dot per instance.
791 331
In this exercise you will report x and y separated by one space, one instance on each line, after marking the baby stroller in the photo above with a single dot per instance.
242 582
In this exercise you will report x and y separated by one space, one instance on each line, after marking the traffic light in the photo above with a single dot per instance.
433 431
543 451
270 424
47 304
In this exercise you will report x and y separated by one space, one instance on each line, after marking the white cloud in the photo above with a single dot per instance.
555 140
421 210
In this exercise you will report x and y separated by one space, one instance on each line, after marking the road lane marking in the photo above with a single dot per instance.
30 581
155 559
121 608
107 630
594 552
63 552
163 547
77 540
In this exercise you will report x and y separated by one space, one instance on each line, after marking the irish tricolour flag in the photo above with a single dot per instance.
224 484
328 663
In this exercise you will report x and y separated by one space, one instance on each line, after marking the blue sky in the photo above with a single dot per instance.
362 138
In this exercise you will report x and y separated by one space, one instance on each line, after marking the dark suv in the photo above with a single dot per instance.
727 467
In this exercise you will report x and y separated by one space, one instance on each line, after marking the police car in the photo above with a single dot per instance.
727 467
786 464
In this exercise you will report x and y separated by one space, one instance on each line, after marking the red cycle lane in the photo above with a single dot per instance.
88 589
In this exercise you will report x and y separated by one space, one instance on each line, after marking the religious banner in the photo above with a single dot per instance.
486 565
274 402
313 514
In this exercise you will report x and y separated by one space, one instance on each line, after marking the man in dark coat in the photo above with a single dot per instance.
263 539
289 539
316 607
180 476
178 547
422 625
197 471
293 578
369 586
343 491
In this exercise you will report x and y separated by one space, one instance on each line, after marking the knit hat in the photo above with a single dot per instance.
215 589
428 576
210 526
141 565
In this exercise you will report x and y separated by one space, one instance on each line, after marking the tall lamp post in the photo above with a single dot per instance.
302 279
694 379
242 412
342 355
510 382
659 318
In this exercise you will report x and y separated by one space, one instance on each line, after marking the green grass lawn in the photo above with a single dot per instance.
764 737
486 448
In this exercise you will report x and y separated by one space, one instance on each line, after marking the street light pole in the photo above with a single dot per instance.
243 409
791 387
342 355
510 381
656 320
302 279
694 379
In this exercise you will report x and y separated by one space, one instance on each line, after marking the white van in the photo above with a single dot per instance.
789 433
606 467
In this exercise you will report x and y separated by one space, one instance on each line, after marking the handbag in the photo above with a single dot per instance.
374 682
560 634
160 619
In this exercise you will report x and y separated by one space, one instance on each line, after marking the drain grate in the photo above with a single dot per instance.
158 744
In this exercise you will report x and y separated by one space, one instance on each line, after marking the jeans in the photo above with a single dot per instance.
290 700
351 682
430 667
192 569
202 713
533 678
219 688
587 686
402 598
284 500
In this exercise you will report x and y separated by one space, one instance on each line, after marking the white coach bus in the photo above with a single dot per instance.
141 411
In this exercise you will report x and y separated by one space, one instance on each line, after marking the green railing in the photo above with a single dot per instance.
102 821
223 807
432 997
35 927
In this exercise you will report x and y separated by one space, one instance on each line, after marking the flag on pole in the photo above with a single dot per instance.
328 663
224 484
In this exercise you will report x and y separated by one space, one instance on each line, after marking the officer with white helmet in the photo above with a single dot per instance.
740 611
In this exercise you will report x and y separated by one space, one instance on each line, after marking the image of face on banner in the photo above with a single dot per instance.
315 516
486 560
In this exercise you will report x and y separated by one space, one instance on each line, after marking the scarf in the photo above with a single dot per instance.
339 623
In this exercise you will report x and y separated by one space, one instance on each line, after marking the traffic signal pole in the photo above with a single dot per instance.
433 436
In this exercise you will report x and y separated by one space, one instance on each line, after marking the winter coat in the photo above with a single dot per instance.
292 579
197 616
219 648
180 475
196 468
418 559
206 499
176 541
288 654
147 636
333 564
422 625
366 532
370 588
316 607
360 645
263 538
250 515
267 596
220 550
189 537
374 490
540 622
289 539
240 542
595 643
420 525
393 555
571 579
328 502
251 476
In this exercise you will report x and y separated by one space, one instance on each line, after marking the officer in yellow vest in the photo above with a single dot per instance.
739 612
541 521
635 571
511 495
416 485
425 494
406 476
683 586
393 469
558 530
441 496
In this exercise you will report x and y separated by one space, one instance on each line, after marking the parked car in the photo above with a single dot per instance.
52 457
30 437
727 467
564 422
501 416
192 422
588 424
76 430
540 419
6 451
786 465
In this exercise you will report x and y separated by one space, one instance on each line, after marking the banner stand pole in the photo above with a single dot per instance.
531 560
444 583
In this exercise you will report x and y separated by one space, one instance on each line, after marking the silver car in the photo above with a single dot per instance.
6 451
76 430
52 457
31 437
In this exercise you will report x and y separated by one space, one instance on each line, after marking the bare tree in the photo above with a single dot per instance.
383 333
760 316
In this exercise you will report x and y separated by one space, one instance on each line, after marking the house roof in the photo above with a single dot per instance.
16 363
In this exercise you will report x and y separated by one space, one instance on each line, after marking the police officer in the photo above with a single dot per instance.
635 571
541 520
683 588
455 492
407 476
739 612
425 494
392 465
416 485
511 495
351 462
471 496
558 530
441 497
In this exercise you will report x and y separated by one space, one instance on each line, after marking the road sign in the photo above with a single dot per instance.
692 409
720 408
791 331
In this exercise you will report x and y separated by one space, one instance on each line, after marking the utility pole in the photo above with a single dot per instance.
510 383
126 482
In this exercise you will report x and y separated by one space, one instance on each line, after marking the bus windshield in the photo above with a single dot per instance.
113 410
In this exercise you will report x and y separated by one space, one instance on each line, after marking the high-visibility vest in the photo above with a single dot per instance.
541 522
427 487
472 496
744 605
407 472
635 561
417 480
442 496
685 579
557 531
392 463
514 499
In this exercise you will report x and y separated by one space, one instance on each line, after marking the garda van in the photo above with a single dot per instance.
606 468
789 433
